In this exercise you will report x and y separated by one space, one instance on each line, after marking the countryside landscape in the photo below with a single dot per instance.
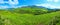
30 15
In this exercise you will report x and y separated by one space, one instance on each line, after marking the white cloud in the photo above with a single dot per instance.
10 2
3 7
1 1
56 0
53 0
15 2
49 0
48 6
18 6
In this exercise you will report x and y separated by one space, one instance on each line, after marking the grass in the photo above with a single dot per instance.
27 19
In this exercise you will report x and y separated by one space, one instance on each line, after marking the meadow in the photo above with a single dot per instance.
29 16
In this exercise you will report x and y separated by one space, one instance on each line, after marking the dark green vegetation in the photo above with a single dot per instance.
29 16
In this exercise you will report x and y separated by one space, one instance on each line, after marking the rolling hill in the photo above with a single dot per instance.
29 16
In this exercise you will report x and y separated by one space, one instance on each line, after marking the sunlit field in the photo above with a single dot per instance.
29 16
29 12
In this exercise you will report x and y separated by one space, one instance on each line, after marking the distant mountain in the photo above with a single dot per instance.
32 6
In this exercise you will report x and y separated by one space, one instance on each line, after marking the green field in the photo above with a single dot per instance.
16 18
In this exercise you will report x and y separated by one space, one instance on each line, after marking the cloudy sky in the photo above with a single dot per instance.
19 3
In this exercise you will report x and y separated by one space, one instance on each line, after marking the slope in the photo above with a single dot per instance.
9 18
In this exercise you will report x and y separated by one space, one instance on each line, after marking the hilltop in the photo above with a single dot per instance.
29 16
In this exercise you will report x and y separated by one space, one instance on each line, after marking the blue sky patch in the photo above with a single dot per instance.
18 3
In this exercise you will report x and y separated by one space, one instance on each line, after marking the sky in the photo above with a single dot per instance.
19 3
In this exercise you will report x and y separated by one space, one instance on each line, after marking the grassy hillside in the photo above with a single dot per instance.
27 17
